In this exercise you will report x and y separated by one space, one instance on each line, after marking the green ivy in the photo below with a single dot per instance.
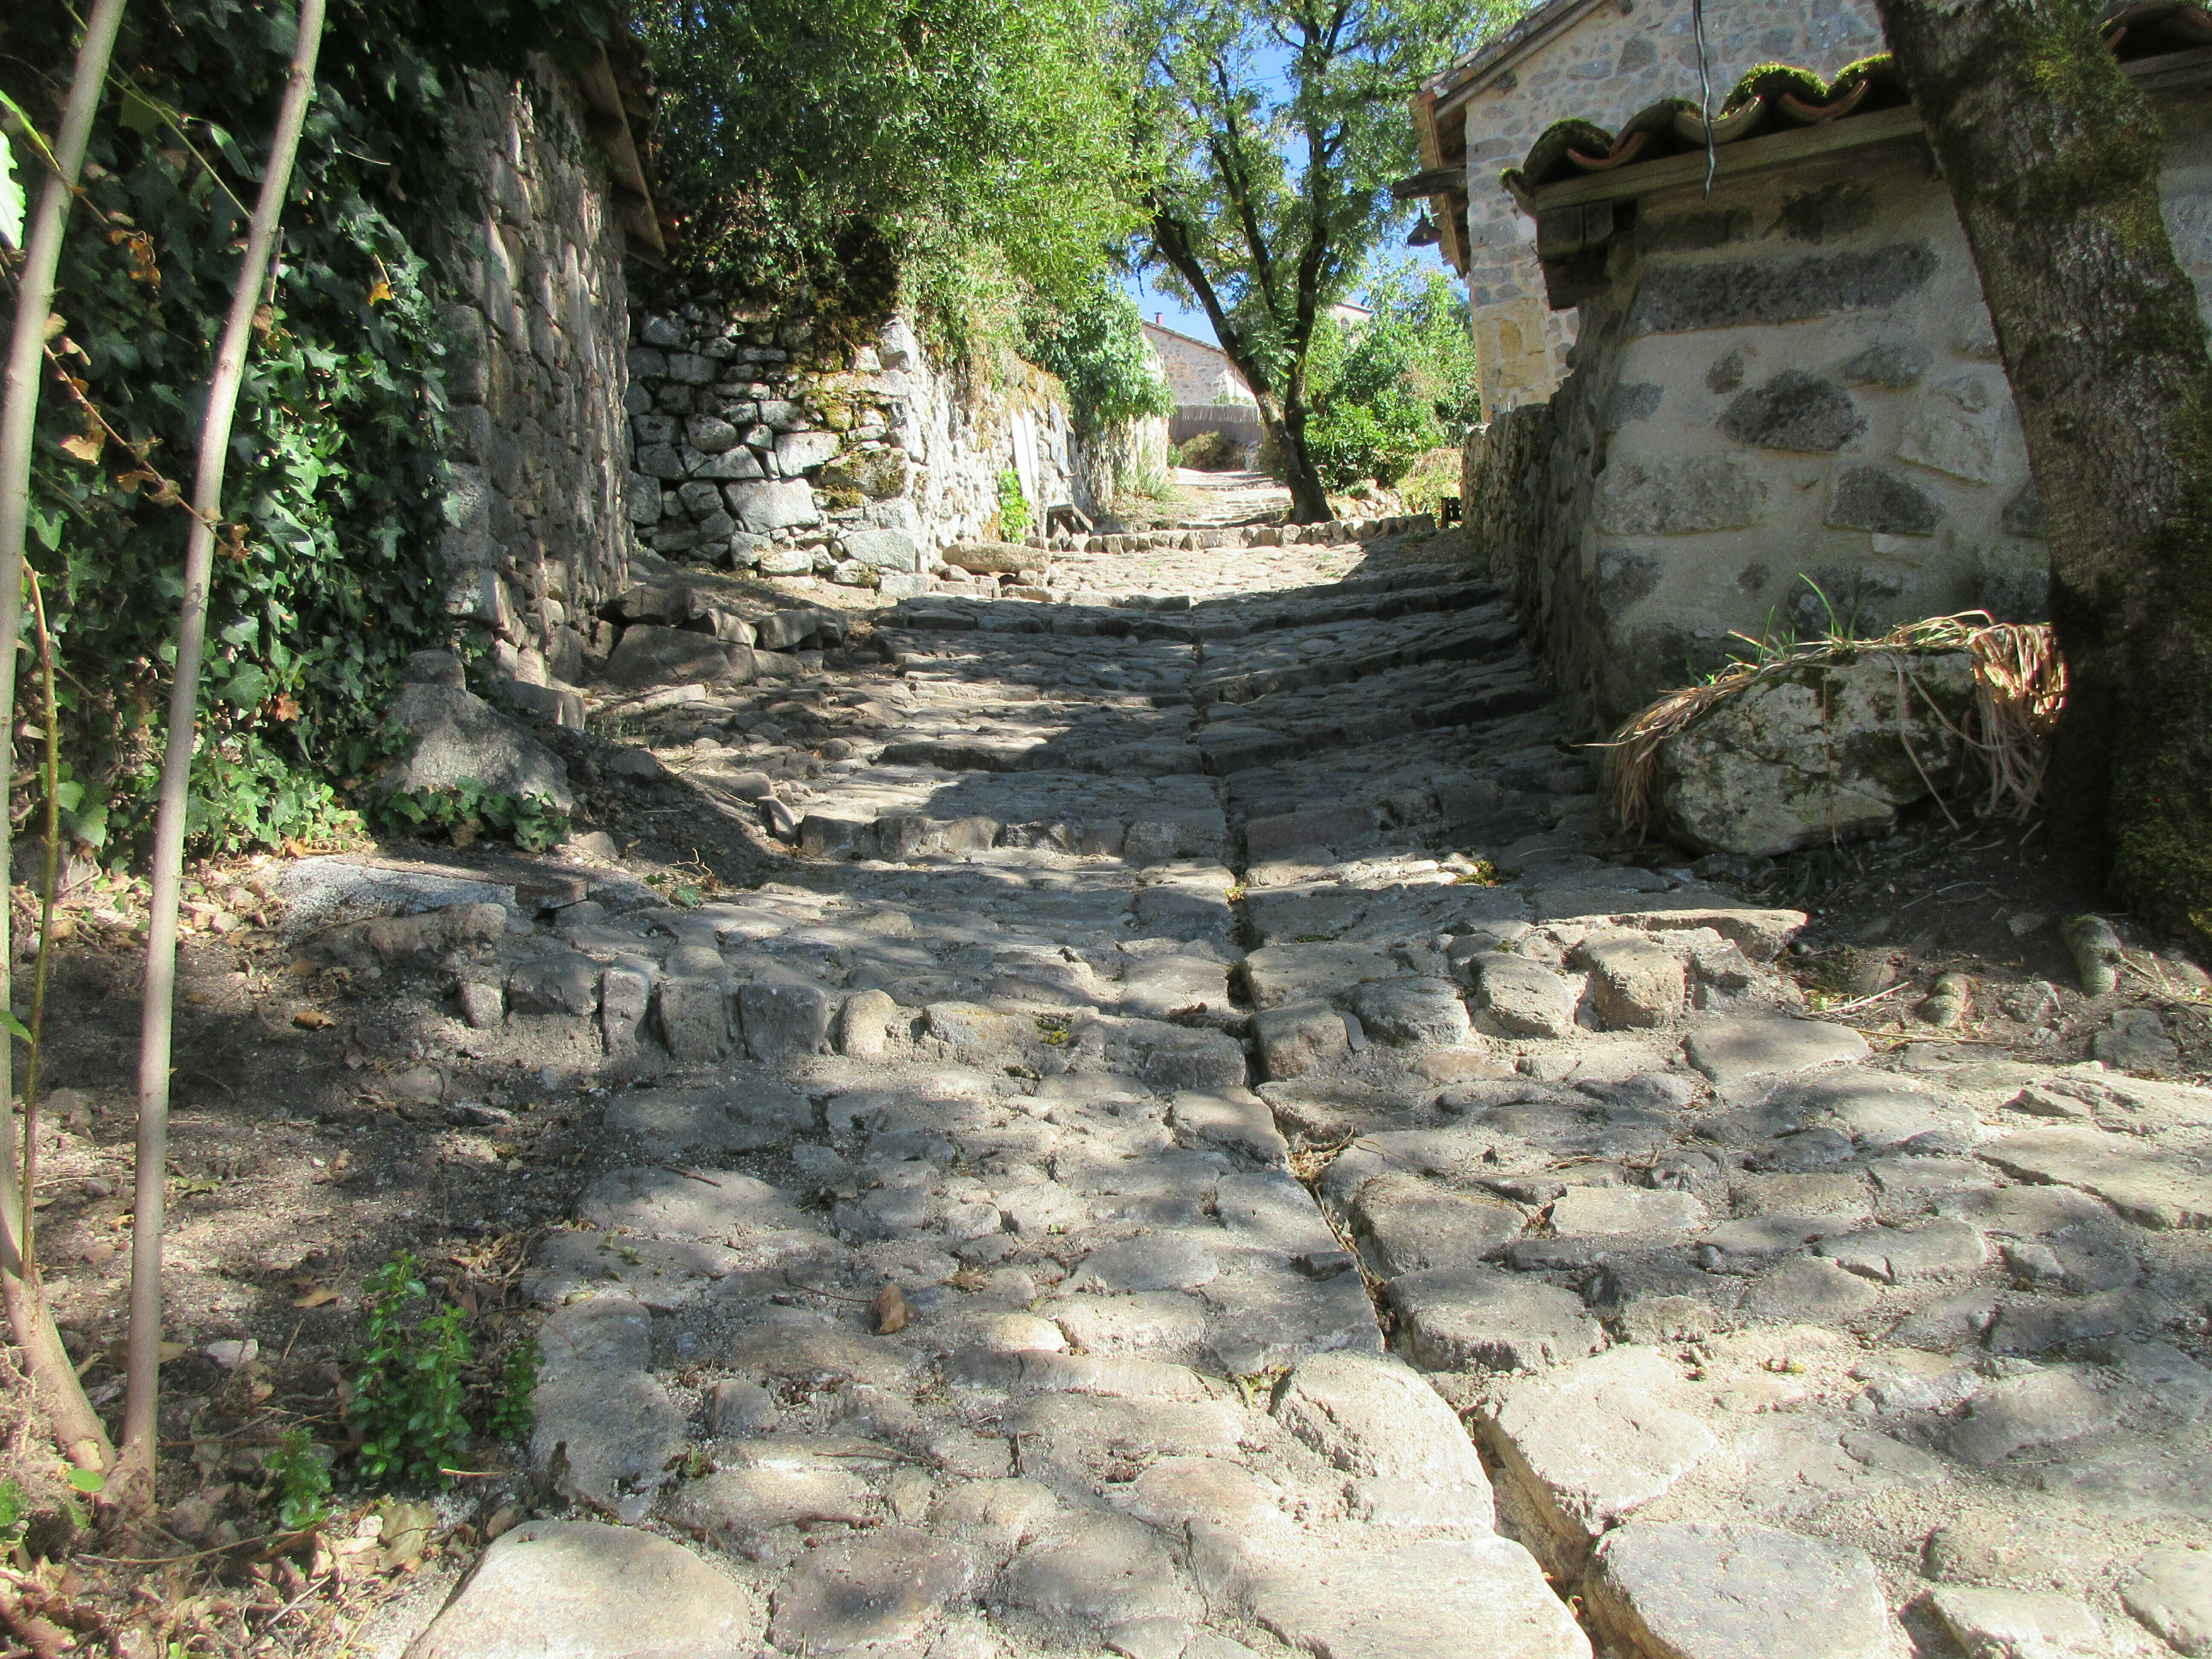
408 1390
464 813
1013 506
1096 345
328 571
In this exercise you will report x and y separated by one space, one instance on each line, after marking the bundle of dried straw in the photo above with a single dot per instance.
2020 687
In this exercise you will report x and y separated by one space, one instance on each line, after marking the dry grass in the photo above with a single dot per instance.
2020 689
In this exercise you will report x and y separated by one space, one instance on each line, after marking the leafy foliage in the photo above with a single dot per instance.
333 495
464 813
512 1413
15 1512
408 1390
838 150
1095 344
1392 388
301 1476
1013 506
1276 127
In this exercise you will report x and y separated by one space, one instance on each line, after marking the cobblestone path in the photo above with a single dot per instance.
1205 1154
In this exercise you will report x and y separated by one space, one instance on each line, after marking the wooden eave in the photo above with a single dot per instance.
607 117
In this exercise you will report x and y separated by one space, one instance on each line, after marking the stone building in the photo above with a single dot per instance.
1197 373
1786 401
1570 58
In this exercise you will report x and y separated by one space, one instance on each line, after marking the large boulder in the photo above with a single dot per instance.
651 655
1822 751
459 738
994 558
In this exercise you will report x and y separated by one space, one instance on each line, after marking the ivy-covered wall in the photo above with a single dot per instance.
359 385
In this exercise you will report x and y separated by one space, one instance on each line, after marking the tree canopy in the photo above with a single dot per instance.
1390 387
849 146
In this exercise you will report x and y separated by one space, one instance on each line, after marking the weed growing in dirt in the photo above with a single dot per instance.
407 1387
302 1480
511 1416
15 1512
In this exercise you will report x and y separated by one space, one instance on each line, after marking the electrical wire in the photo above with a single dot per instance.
1705 91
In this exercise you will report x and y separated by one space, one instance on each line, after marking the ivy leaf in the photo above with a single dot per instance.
86 445
379 291
14 1027
88 1480
20 124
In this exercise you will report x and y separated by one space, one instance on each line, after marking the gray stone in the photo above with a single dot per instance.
1883 500
434 668
732 1503
2023 513
1825 751
782 1020
1376 1419
2013 1624
2150 1190
1895 364
2135 1039
1887 1255
650 655
1458 1318
1625 1212
1481 1596
1153 1262
694 1016
2040 1409
1320 826
581 1589
864 1024
878 1587
1747 1046
1634 981
1109 1568
1691 1589
1411 1011
1524 998
1409 1225
565 984
1796 411
1631 402
770 505
459 738
1679 496
884 550
1195 1060
1805 1290
1585 1446
2170 1590
601 1415
1737 292
796 452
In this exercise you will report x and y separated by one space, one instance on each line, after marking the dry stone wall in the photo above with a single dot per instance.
537 536
752 446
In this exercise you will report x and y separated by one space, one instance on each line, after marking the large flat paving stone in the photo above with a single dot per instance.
2148 1189
2170 1590
602 1416
1693 1589
2014 1624
1373 1417
1735 1050
876 1587
1461 1318
1585 1446
1481 1596
581 1589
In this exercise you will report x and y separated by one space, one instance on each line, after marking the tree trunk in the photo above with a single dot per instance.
2052 157
135 1483
1308 500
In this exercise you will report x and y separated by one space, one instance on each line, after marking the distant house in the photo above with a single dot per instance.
1569 59
1197 373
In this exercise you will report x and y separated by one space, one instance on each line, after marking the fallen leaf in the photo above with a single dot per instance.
888 1312
310 1019
320 1296
172 1351
300 968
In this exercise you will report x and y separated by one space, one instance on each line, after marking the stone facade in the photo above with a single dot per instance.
1602 60
1792 385
750 449
537 535
1197 373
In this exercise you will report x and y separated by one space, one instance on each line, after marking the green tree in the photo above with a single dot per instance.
2105 350
1095 344
1275 128
840 149
1387 389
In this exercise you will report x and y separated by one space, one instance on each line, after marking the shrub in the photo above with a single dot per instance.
1212 451
1013 506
